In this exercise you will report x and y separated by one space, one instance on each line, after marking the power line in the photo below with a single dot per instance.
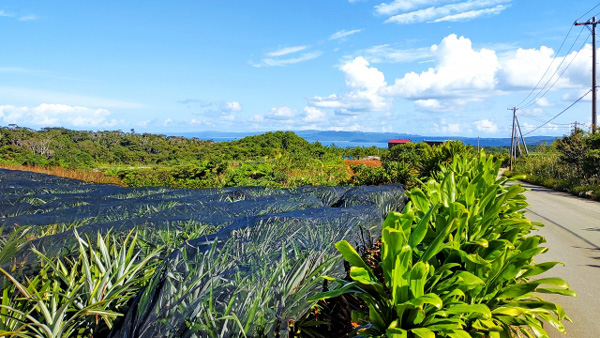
550 65
586 13
535 98
559 75
557 115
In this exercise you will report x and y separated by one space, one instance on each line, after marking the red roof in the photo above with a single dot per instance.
399 141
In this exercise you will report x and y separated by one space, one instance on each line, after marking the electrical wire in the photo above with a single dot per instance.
547 69
559 75
535 98
557 115
586 13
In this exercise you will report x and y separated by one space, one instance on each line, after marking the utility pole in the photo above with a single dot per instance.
512 138
515 143
592 22
521 133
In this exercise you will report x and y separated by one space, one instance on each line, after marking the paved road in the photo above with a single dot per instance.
572 229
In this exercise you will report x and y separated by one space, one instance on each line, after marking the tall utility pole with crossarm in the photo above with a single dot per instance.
592 22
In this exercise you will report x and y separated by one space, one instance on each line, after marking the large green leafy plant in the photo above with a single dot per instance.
457 262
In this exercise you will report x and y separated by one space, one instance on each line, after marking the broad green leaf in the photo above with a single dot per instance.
539 268
430 298
468 309
423 332
418 275
396 333
515 311
459 334
350 254
376 319
419 199
418 234
437 243
562 292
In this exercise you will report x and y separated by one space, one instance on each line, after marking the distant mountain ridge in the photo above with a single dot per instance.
353 138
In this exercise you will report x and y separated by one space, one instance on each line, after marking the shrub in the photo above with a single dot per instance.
457 262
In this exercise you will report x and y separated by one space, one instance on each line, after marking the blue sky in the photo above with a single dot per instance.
432 67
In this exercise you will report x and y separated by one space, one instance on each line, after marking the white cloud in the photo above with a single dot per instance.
459 71
166 122
343 33
525 67
430 14
447 128
286 51
364 84
282 113
543 102
486 126
29 17
390 54
231 107
360 76
279 62
51 115
403 5
312 114
474 14
432 105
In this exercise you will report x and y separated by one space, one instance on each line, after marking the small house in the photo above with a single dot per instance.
435 142
393 143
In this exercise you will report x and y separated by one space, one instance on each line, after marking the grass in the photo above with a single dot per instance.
82 175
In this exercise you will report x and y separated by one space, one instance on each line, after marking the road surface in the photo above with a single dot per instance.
572 231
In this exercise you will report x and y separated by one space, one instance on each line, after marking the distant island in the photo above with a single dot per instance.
365 139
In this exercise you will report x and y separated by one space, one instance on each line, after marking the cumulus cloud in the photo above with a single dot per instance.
486 126
459 70
343 33
364 84
51 115
312 115
525 67
453 12
281 113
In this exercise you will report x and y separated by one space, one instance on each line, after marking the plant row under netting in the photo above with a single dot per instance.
237 261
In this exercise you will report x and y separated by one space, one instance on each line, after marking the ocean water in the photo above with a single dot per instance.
340 143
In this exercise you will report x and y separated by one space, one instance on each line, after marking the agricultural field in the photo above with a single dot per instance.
254 252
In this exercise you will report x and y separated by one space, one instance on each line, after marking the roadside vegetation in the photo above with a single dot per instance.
459 261
570 164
